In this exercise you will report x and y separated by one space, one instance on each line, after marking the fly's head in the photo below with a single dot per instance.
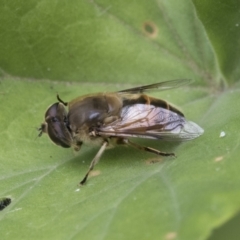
56 125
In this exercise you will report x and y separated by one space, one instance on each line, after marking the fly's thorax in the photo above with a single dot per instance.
115 104
92 110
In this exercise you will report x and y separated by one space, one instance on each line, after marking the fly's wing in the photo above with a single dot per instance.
147 121
158 86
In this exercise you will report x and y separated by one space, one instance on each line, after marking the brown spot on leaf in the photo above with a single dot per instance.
170 236
150 29
94 173
153 160
218 159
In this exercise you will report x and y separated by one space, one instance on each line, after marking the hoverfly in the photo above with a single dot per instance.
108 118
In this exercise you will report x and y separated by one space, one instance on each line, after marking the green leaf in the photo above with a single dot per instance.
99 41
229 230
108 46
222 23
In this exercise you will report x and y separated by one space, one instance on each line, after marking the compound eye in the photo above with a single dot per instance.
56 121
59 134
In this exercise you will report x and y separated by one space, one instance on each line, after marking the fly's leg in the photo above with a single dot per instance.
95 161
148 149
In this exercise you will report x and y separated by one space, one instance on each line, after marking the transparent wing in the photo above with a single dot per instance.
158 86
147 121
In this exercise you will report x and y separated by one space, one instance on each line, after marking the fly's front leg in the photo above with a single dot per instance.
95 161
148 149
77 146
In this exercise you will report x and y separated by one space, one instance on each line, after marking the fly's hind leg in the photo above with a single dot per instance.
95 161
148 149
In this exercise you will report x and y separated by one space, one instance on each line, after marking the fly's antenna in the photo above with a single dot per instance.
61 101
